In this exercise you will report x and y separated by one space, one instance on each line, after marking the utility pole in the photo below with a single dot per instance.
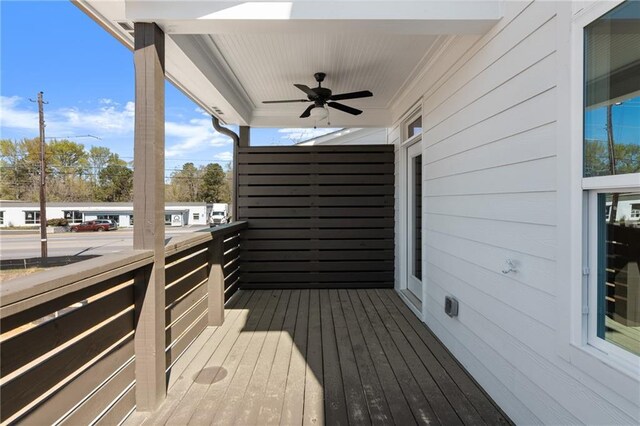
43 181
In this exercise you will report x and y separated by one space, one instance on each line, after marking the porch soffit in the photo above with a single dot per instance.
229 56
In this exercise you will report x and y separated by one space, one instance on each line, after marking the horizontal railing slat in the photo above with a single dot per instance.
76 364
85 384
29 345
22 390
38 289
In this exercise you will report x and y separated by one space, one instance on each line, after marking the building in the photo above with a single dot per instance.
17 214
485 210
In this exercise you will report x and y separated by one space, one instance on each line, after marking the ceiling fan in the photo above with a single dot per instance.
321 96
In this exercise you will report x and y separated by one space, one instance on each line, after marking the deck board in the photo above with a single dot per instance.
298 357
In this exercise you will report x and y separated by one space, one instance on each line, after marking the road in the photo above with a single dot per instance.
19 245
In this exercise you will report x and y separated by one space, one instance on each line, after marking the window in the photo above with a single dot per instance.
414 127
73 216
196 216
31 218
167 219
1 218
611 179
114 217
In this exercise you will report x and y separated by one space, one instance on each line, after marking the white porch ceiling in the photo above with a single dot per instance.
230 56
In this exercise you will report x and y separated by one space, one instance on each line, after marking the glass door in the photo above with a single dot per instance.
414 220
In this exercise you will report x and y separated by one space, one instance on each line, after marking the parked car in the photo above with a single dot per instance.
95 225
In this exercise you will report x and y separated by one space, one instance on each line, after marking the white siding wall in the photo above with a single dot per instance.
490 138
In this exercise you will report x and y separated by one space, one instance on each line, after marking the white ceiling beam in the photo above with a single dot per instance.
347 16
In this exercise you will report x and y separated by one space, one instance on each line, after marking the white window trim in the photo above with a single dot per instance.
617 354
572 301
405 143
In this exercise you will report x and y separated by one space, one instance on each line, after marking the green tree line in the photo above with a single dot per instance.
95 174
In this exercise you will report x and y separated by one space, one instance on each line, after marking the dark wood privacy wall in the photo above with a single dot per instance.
319 217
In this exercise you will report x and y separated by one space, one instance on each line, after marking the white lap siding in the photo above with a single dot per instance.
490 112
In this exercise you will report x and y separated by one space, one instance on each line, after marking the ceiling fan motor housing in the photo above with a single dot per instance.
322 95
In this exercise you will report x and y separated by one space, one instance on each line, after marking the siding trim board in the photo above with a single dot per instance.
327 210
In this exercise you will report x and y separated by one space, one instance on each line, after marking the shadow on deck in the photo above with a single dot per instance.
320 357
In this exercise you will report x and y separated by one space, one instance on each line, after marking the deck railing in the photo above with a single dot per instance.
67 335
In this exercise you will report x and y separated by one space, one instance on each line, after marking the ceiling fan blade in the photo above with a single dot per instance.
283 102
351 95
344 108
307 90
307 112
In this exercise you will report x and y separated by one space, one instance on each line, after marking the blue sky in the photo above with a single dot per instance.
88 79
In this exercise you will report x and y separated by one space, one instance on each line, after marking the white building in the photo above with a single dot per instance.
486 104
17 214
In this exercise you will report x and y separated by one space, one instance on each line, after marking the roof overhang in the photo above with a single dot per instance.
229 56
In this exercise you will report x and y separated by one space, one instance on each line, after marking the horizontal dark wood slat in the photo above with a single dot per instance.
174 311
325 277
250 256
319 212
312 157
303 266
29 345
177 270
326 201
333 190
230 243
120 409
333 179
180 288
181 324
319 244
106 395
325 148
25 388
306 208
184 254
327 169
59 403
302 234
43 309
182 342
326 223
317 285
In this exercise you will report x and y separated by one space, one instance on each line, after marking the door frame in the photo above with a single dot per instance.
403 240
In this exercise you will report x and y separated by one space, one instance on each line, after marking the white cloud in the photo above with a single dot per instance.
195 136
110 121
224 156
302 134
17 118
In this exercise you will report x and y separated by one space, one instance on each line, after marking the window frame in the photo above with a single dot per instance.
591 261
590 188
36 217
73 219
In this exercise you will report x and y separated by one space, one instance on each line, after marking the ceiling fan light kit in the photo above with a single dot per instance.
323 98
319 113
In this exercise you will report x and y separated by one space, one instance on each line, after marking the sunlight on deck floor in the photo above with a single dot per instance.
320 357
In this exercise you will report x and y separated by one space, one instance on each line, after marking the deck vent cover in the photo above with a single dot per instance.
451 306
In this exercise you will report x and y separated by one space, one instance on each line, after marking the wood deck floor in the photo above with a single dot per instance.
320 357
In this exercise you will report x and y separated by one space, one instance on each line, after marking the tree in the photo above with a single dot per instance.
67 171
98 158
214 184
115 181
185 184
